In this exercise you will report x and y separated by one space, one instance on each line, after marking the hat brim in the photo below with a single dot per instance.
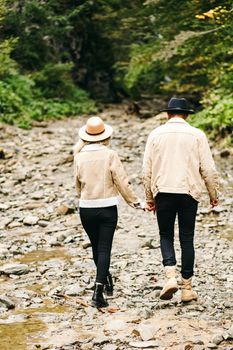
99 137
185 111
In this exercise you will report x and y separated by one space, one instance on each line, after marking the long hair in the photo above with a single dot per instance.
80 144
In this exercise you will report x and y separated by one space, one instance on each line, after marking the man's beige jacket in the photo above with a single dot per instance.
177 159
100 177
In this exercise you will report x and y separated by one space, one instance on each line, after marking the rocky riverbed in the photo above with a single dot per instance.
46 270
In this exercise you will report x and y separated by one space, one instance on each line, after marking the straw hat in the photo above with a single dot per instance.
95 130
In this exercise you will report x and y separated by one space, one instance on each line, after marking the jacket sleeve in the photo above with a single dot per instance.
207 168
120 180
147 169
76 179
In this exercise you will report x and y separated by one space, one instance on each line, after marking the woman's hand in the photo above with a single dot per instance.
150 206
214 202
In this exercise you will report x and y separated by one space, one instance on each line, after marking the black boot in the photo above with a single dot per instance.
98 299
108 286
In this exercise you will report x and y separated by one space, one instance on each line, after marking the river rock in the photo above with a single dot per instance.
14 269
4 206
30 220
7 302
147 331
65 209
144 344
74 290
230 332
4 222
115 325
225 153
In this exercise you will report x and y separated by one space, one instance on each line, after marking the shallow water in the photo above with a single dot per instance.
44 255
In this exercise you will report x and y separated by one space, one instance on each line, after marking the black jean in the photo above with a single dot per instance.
100 225
168 206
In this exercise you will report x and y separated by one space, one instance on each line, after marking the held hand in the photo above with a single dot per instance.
150 206
214 202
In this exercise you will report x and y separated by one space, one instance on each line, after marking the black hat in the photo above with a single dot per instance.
178 105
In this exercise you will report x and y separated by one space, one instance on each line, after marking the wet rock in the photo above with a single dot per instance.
7 302
225 153
14 269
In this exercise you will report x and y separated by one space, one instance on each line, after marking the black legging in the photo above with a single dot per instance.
168 206
100 225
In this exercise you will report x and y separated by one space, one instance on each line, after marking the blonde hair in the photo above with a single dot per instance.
81 143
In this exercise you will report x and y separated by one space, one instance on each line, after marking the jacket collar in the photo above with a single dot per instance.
93 147
177 120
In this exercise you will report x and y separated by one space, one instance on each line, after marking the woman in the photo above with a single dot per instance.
99 178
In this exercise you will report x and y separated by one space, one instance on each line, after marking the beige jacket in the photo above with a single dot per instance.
177 159
100 177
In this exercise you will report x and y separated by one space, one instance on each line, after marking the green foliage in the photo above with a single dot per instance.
115 49
54 81
217 117
21 103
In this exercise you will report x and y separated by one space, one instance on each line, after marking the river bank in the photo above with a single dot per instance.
46 268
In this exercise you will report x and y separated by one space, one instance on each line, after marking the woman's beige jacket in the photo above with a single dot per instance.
100 177
178 159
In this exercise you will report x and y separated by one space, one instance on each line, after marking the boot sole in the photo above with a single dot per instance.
110 294
188 300
98 306
168 294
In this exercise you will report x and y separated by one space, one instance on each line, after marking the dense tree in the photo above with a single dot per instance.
119 48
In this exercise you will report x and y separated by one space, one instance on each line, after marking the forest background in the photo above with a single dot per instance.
63 57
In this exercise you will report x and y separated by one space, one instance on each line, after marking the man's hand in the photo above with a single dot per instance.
150 206
214 202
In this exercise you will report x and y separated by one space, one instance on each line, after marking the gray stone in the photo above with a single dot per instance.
144 344
7 302
30 220
5 222
4 206
14 319
43 223
86 244
217 339
147 331
14 269
74 290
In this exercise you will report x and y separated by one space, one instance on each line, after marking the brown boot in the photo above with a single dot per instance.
187 294
171 285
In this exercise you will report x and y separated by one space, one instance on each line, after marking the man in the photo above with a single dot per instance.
176 161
